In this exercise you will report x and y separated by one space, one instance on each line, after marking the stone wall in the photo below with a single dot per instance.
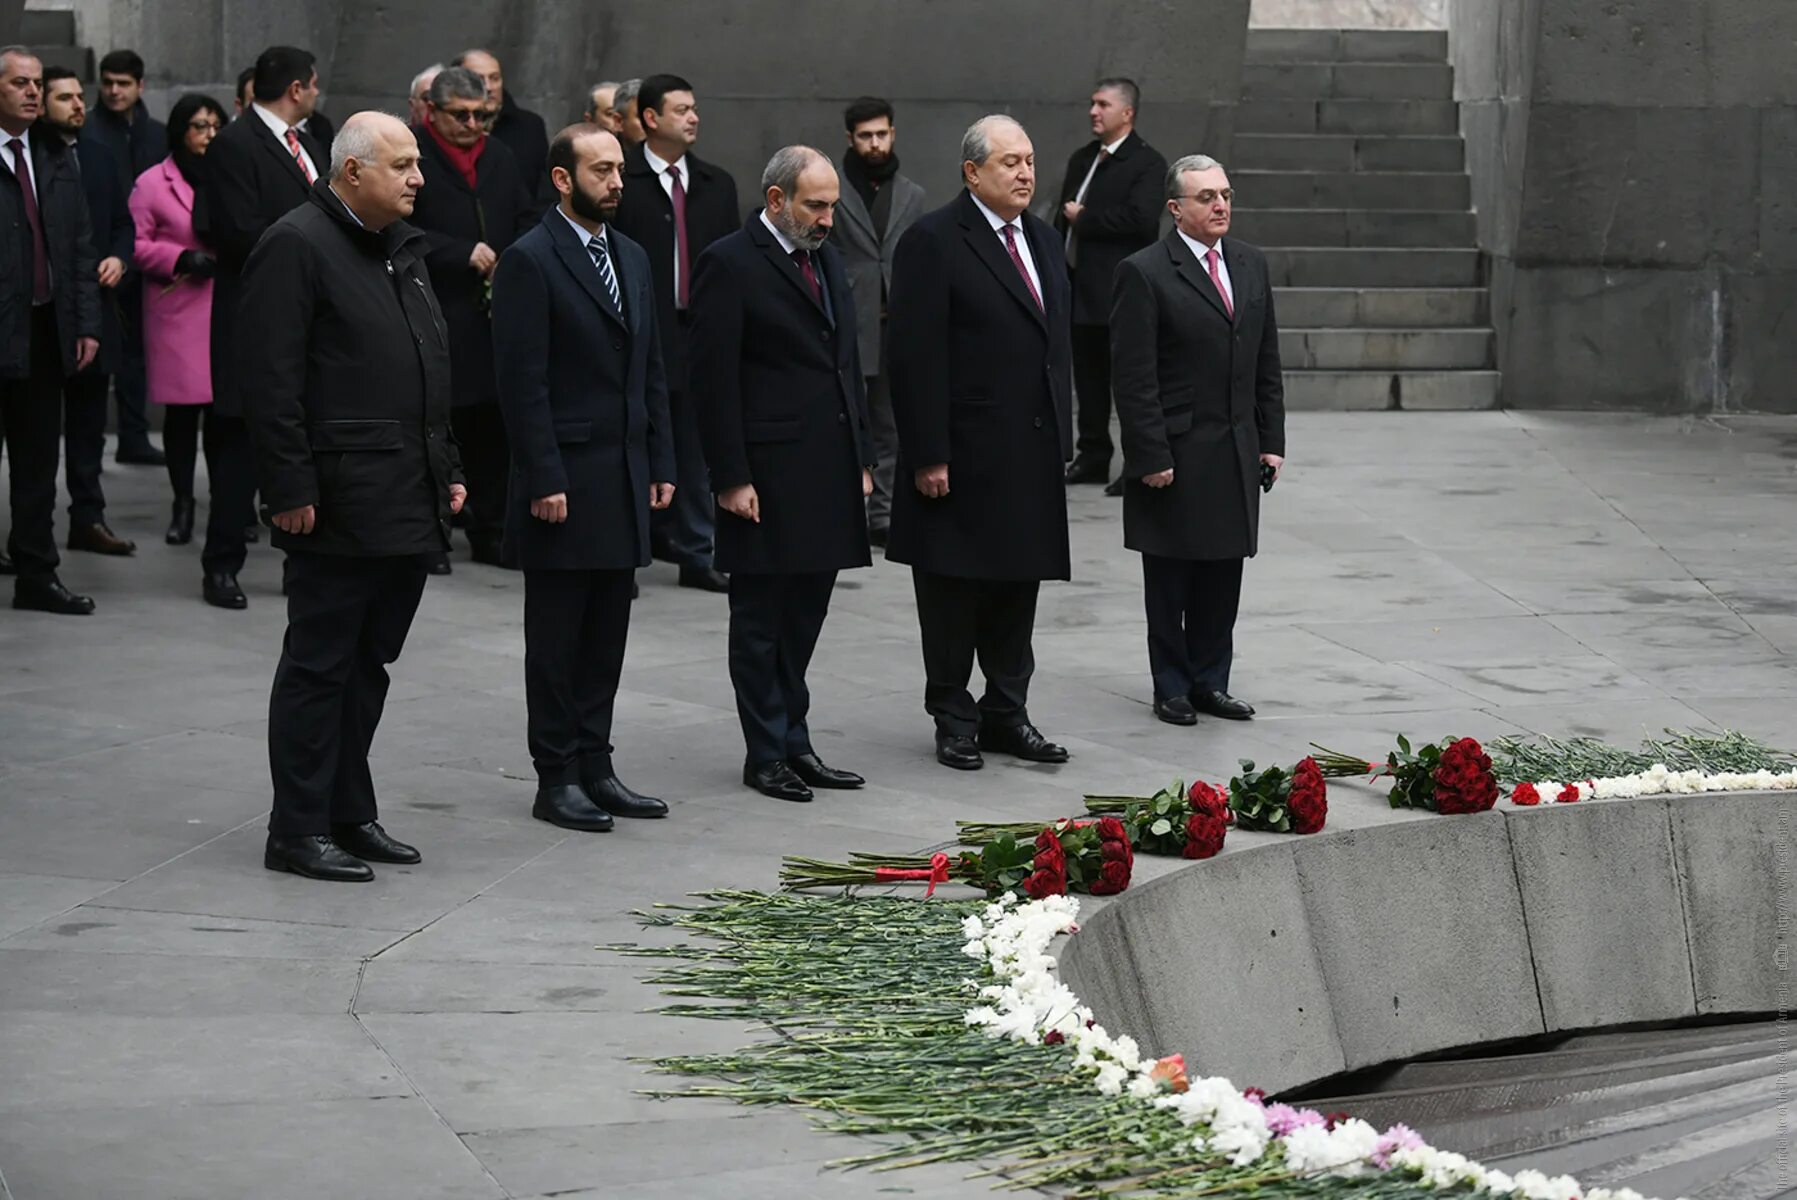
1349 14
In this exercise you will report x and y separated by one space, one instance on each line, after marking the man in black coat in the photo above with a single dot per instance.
784 417
258 169
49 324
471 208
981 395
346 389
84 393
581 387
1195 364
522 131
1110 208
675 205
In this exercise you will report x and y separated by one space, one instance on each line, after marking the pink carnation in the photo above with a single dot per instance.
1398 1137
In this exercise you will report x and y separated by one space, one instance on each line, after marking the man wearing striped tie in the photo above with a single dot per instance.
585 401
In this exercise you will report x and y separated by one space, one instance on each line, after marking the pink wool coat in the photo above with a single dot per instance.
177 311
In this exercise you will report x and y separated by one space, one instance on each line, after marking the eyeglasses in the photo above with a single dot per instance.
201 126
1208 195
464 116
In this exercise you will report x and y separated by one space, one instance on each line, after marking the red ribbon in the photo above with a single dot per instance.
938 873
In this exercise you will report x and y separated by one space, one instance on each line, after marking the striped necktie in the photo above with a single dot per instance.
602 260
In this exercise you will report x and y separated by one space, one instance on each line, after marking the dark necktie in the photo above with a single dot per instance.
602 260
683 255
803 258
40 254
1017 259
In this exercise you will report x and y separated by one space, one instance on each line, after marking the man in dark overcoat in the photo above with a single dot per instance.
1195 370
784 421
981 393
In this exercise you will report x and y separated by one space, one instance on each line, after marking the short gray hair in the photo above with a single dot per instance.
626 93
976 143
7 52
355 140
1191 162
604 83
457 83
783 170
423 79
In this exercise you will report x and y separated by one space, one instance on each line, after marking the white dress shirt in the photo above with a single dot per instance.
6 148
279 128
1200 250
660 166
1022 238
1079 197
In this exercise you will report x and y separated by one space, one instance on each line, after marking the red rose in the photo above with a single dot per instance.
1205 798
1525 795
1049 853
1204 835
1113 877
1463 780
1043 883
1309 801
1113 844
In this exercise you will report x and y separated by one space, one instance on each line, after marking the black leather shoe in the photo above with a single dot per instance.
6 567
1088 470
221 590
1114 487
776 779
373 843
439 565
615 798
97 539
1022 741
486 550
958 751
566 805
878 535
812 770
705 579
180 523
145 455
1176 710
315 858
1222 704
252 534
50 596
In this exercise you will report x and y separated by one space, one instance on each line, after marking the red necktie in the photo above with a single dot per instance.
1216 277
1011 248
803 258
293 145
40 254
683 255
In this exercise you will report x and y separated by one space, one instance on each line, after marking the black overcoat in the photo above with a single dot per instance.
777 377
69 242
1121 214
527 137
1196 392
346 383
584 398
115 236
982 381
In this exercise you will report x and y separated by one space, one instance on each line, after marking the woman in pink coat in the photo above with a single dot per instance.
168 208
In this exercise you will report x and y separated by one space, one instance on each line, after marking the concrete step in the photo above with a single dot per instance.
1347 45
1343 391
1385 349
1347 81
79 59
1436 117
41 27
1380 308
1346 152
1381 267
1389 190
1285 227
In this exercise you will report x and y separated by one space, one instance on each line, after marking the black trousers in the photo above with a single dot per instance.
31 415
487 463
84 445
1092 386
231 465
132 390
774 623
1191 622
347 618
992 619
682 532
181 425
575 625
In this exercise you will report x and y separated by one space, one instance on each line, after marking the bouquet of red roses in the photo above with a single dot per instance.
1081 856
1451 776
1174 821
1281 801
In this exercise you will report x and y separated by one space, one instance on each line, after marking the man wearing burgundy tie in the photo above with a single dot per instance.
982 395
675 205
1195 371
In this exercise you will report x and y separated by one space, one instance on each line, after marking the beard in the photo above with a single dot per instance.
805 237
592 207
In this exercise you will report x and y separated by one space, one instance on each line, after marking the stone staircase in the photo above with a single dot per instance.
1351 175
51 35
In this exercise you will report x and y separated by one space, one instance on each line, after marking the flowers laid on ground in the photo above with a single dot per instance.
1451 776
1176 821
1281 801
1657 780
1034 861
1708 752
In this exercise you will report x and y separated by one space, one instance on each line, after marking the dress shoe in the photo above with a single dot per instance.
439 565
221 590
812 770
776 779
1022 741
97 539
1088 470
315 858
373 843
34 595
252 534
566 805
180 523
1114 487
706 579
958 751
1222 704
145 455
1176 710
6 567
878 535
486 550
617 799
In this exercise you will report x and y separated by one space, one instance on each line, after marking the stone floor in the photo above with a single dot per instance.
176 1021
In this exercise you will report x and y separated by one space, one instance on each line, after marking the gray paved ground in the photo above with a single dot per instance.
177 1022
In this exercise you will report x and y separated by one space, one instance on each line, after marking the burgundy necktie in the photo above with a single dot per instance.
1216 277
1011 247
40 254
683 255
803 258
293 145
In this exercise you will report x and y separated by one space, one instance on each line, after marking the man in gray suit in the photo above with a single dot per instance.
876 208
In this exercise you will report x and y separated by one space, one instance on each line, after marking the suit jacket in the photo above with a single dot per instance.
69 243
252 181
1122 214
525 135
867 257
1197 392
982 381
584 399
646 217
136 145
782 404
453 218
114 237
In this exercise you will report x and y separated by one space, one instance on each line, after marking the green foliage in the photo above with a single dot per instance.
1261 799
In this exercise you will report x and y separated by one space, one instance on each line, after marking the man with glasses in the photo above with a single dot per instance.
1201 399
522 131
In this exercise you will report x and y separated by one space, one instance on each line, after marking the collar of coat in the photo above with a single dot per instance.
383 243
